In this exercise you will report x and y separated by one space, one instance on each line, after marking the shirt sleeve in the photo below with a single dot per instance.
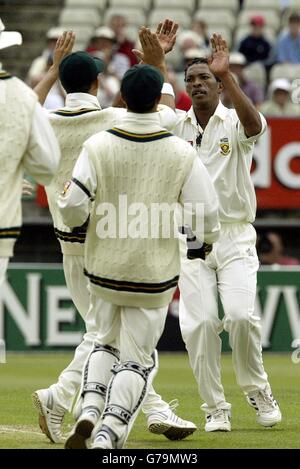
242 137
167 117
42 155
200 204
75 201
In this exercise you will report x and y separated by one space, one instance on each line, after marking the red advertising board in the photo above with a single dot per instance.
276 165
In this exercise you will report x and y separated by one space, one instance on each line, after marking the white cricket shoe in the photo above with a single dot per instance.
267 409
50 418
105 438
81 432
169 424
218 421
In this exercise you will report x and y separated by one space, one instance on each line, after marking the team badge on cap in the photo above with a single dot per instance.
224 145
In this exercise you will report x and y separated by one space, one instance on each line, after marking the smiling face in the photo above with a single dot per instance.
202 86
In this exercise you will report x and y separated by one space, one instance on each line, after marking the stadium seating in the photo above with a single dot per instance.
232 5
289 71
242 31
82 16
188 5
262 5
141 4
181 16
100 4
256 73
83 35
294 5
134 16
221 18
132 33
272 18
225 32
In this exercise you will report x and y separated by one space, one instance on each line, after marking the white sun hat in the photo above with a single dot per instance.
9 38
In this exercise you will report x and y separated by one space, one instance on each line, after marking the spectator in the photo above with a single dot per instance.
255 46
40 65
182 99
279 103
288 45
271 250
118 24
199 26
104 46
237 62
186 41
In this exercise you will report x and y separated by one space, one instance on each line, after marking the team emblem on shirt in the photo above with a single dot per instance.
224 146
66 187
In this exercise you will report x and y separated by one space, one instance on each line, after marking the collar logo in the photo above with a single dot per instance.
224 146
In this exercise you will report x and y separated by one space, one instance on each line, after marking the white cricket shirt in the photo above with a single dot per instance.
227 154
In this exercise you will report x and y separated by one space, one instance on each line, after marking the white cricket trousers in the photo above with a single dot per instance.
135 332
69 380
230 273
3 269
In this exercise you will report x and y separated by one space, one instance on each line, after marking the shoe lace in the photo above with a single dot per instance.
173 404
218 415
264 401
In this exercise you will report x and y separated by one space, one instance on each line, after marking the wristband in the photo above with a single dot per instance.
168 89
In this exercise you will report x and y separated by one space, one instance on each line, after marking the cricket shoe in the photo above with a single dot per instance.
106 438
267 409
218 421
81 432
50 418
167 423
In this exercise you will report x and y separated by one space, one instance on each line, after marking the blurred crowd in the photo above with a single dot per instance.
252 60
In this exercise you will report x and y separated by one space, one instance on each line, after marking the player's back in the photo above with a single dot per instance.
72 126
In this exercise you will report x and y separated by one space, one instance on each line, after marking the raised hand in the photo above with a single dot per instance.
63 47
153 53
166 33
218 62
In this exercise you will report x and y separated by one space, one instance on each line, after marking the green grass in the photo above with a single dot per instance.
24 373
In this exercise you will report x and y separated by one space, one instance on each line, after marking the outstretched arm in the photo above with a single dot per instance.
153 54
63 47
166 33
219 66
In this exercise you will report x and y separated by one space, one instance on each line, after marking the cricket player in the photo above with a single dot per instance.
27 142
132 274
224 139
76 122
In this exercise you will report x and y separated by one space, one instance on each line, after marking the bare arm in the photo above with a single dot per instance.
63 47
219 66
153 54
155 51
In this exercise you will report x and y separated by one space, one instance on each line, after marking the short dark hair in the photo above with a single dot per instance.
201 60
142 108
294 17
71 88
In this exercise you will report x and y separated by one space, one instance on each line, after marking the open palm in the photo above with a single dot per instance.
166 33
219 60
